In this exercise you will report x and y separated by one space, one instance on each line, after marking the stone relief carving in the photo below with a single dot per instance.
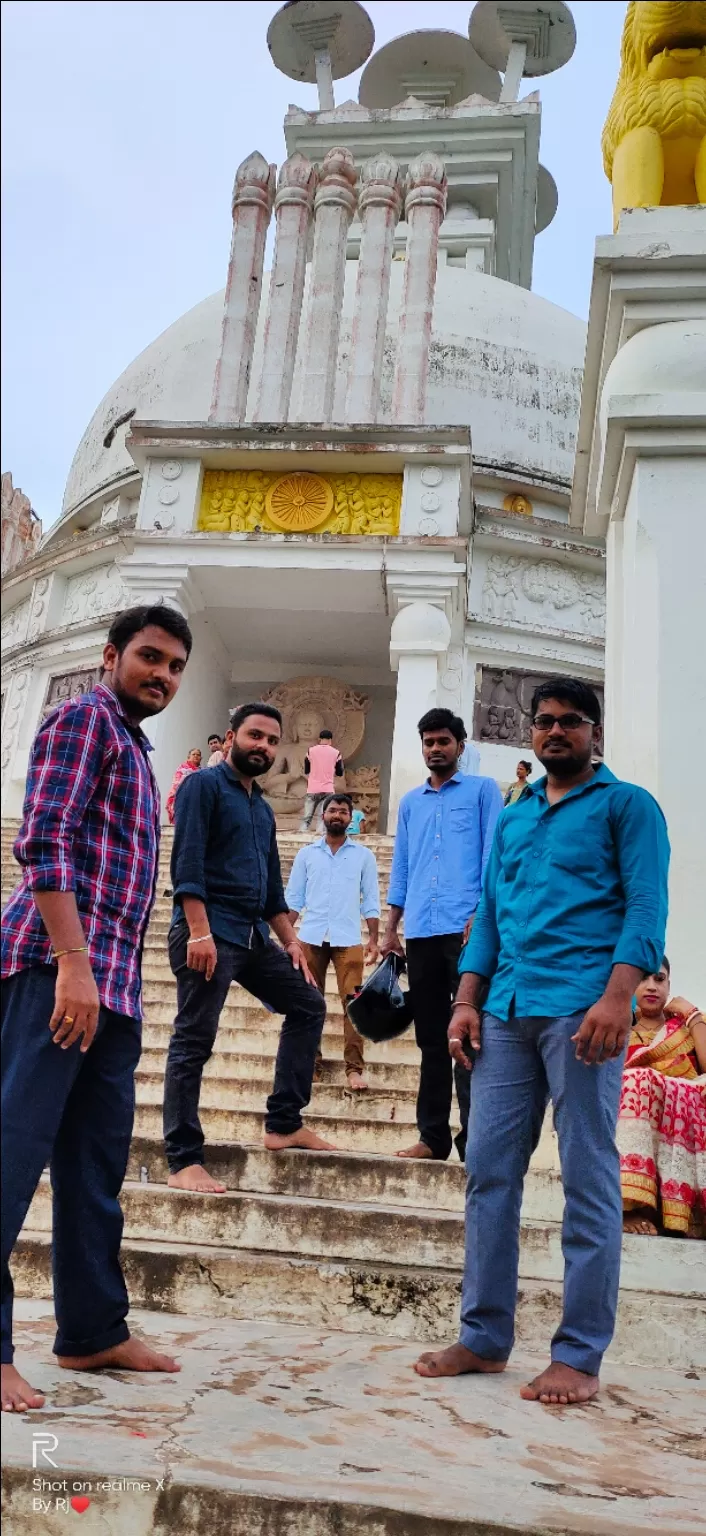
93 594
547 585
39 600
309 705
502 707
14 625
253 501
363 785
12 717
68 685
20 530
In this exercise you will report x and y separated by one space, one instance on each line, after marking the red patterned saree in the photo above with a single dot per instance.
661 1131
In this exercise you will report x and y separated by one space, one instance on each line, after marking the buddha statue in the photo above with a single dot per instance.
285 784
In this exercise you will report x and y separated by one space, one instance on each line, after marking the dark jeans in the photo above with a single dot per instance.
267 972
432 967
74 1112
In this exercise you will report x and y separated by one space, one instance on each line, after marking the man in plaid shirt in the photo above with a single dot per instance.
71 954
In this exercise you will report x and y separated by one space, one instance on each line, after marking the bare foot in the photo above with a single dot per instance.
357 1082
456 1361
131 1355
560 1384
16 1393
420 1149
303 1138
196 1179
641 1223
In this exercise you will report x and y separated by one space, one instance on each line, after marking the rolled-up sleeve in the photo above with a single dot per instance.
69 755
397 893
369 887
642 843
276 900
295 894
480 954
193 810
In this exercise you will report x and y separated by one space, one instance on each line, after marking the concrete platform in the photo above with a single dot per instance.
281 1431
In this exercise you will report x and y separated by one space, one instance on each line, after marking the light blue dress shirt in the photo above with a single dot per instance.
571 890
442 846
333 890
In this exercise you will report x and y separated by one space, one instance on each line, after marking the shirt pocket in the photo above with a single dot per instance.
462 819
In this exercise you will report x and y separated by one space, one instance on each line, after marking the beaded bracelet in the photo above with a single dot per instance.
202 940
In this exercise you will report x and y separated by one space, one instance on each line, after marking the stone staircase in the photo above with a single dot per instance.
353 1242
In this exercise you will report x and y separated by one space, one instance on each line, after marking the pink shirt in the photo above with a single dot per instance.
322 759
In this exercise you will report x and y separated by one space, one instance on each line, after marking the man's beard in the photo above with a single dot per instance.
564 767
250 766
336 826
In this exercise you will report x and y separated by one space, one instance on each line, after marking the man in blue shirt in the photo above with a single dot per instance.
333 882
227 893
573 915
444 835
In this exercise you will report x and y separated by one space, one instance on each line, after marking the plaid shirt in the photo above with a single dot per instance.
90 825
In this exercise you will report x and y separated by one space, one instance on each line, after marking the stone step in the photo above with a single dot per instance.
389 1301
241 1009
156 969
248 1067
300 1431
344 1132
250 1032
355 1176
230 1094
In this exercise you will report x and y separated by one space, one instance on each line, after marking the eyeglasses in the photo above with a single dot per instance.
567 722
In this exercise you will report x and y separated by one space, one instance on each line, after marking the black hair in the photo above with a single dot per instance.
442 720
244 710
127 624
524 764
574 690
214 736
665 966
325 735
335 799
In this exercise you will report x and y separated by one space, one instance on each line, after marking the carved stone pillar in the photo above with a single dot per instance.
420 635
379 203
293 206
334 206
253 194
425 205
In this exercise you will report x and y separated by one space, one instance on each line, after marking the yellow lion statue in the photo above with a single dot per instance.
654 140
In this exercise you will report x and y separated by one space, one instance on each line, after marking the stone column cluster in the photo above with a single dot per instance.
306 331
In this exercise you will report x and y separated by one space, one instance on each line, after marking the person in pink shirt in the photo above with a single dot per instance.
323 764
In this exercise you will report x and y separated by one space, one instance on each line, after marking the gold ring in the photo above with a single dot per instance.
67 1020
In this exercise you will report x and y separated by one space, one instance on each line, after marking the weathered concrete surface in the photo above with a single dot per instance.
273 1431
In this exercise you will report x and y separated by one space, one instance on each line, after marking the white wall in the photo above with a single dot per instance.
201 706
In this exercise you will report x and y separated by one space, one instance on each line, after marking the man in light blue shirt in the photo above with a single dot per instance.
333 882
444 835
572 916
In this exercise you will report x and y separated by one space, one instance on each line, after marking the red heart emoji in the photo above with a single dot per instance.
80 1504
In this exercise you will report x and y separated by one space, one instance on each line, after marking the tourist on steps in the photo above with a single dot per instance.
71 954
572 917
216 750
444 836
334 882
227 890
323 764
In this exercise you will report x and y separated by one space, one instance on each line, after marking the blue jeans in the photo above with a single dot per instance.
76 1113
266 972
523 1063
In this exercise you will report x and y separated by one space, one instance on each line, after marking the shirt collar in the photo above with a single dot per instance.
322 843
107 696
602 776
456 778
224 767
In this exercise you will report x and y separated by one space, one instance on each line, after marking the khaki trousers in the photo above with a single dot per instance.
348 965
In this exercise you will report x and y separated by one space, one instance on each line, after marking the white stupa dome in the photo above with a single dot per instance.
503 361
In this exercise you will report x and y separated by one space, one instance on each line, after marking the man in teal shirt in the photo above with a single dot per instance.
572 916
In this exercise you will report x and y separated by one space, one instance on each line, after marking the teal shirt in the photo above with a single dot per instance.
570 890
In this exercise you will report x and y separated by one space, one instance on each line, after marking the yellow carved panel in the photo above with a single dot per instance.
255 501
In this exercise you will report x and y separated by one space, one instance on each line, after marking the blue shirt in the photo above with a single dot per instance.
443 843
571 890
357 818
469 761
225 852
332 890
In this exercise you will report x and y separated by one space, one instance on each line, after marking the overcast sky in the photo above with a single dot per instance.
124 121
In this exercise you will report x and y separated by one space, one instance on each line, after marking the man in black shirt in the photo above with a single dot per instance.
227 890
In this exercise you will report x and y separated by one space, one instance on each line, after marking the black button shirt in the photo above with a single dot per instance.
225 853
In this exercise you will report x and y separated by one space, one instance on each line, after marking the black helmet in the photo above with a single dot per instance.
381 1010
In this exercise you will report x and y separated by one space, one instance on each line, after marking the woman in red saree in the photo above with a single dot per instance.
661 1131
191 764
